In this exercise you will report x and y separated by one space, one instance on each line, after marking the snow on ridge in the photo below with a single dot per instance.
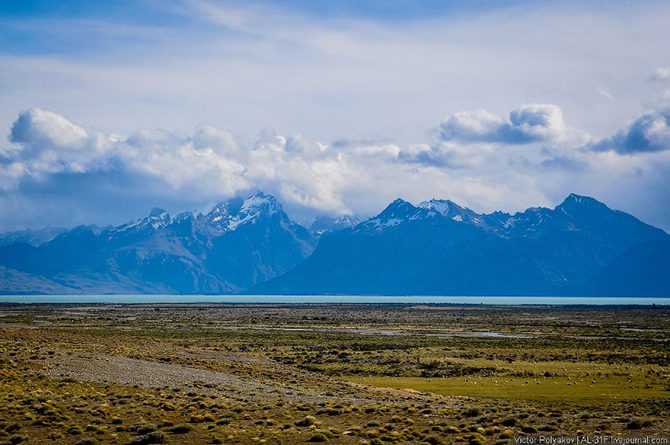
258 201
438 205
227 216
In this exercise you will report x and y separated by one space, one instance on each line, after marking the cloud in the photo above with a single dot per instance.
46 142
537 122
211 164
37 128
648 133
385 81
240 65
476 125
57 172
527 124
660 75
605 93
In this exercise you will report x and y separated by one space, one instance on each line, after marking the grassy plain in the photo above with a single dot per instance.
352 374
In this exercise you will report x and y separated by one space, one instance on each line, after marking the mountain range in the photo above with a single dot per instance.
581 247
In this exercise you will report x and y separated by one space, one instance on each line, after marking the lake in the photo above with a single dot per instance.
363 299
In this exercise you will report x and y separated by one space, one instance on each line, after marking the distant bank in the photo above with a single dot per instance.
324 299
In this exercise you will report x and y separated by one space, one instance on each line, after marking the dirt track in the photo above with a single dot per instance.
144 373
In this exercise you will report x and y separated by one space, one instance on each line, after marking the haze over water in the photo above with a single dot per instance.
321 299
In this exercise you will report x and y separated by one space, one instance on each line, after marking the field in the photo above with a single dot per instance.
350 374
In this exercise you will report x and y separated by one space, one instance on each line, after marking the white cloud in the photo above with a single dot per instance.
605 93
46 142
538 122
153 167
475 125
242 66
530 123
37 128
661 74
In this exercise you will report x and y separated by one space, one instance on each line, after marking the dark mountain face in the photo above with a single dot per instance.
326 224
639 270
236 245
435 248
442 248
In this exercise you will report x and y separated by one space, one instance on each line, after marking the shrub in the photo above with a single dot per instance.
144 428
476 439
75 430
181 429
634 424
511 421
305 421
153 437
12 428
433 440
471 412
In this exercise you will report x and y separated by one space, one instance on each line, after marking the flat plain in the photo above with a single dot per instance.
336 373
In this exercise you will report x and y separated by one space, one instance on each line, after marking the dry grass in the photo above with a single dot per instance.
308 374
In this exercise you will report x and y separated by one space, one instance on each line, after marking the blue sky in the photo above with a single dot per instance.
153 11
111 108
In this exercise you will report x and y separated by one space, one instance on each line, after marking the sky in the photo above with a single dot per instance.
108 109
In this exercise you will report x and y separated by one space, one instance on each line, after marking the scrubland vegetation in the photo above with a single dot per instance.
351 374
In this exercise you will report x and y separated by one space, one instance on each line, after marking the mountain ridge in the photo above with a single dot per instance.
427 250
161 254
251 245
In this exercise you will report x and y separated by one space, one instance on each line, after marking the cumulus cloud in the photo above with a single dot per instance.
56 172
648 133
527 124
212 163
660 74
475 125
36 128
46 142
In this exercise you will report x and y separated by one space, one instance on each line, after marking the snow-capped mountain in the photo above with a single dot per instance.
157 219
436 247
228 215
235 245
398 212
439 247
452 210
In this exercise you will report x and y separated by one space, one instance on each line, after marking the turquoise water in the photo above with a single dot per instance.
139 299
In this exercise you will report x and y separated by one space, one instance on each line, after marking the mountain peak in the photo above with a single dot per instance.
443 206
394 214
158 219
450 209
183 216
156 212
573 201
398 209
228 215
399 204
262 202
